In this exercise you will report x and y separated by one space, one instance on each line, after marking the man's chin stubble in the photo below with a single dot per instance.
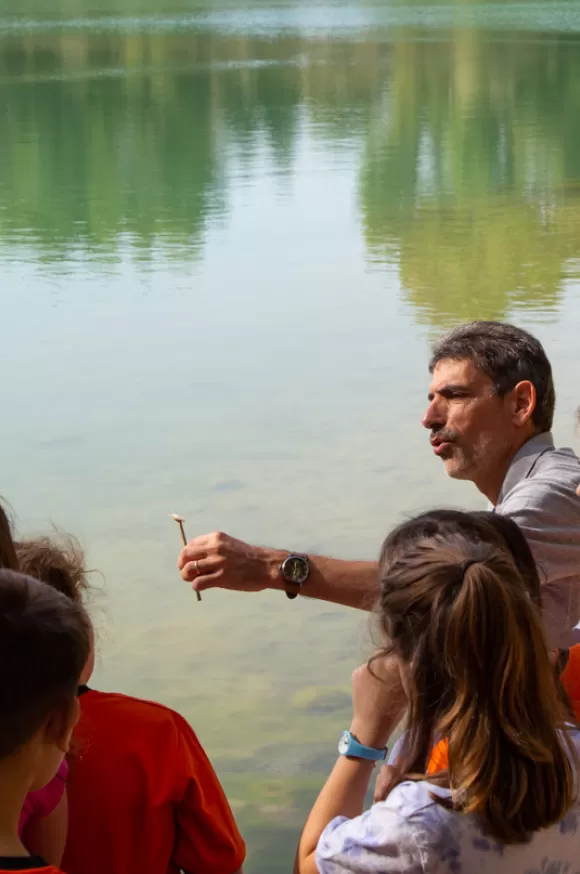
456 470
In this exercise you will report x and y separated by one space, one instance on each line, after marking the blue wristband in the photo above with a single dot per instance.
349 746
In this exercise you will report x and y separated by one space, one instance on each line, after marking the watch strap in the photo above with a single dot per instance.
350 747
293 587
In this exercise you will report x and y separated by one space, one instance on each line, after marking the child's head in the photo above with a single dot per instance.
7 552
60 563
479 526
57 561
460 617
44 645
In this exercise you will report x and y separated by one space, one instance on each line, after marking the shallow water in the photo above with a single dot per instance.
228 234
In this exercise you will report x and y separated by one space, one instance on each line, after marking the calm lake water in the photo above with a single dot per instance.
228 234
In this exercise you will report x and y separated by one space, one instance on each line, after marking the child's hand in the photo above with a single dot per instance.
379 702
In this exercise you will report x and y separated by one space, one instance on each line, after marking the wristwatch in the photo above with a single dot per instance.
349 746
294 570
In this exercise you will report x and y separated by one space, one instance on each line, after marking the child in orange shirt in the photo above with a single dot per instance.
44 645
143 795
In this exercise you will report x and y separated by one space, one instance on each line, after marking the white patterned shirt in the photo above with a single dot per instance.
409 833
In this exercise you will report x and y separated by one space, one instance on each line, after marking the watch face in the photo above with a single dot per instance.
343 743
295 569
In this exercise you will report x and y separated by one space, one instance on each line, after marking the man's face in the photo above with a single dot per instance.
471 427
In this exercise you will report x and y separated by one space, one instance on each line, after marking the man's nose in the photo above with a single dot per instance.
434 416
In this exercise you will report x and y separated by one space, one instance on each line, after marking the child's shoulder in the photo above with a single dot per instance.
130 707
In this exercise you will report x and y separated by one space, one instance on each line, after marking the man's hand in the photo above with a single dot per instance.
378 702
220 561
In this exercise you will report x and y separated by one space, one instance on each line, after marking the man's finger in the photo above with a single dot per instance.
205 544
194 551
186 556
207 581
200 567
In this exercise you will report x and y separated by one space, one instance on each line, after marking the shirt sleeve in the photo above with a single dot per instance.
395 753
549 517
207 839
378 842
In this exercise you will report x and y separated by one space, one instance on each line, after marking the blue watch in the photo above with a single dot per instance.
348 745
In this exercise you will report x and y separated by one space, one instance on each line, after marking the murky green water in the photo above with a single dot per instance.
228 232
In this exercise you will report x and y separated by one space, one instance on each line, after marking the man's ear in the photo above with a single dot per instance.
523 402
61 724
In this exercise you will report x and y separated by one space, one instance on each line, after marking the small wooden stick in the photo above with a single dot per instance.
180 520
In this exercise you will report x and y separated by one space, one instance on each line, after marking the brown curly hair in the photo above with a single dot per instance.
57 561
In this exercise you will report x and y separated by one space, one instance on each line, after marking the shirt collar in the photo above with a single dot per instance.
524 460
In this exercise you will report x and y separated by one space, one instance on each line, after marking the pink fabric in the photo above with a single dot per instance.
44 801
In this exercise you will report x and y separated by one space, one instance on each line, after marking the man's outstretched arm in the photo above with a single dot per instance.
220 561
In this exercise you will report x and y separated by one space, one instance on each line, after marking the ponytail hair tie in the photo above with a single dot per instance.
466 564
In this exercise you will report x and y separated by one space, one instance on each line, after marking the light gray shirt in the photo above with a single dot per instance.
539 493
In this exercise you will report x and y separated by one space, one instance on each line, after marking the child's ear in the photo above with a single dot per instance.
61 724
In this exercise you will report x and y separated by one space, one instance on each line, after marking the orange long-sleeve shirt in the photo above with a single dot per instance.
143 795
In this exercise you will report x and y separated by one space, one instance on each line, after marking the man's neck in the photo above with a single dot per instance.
491 480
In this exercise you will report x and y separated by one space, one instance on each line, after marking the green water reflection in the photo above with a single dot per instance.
473 180
281 202
467 141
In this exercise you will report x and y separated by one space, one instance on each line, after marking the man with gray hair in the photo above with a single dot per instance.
490 411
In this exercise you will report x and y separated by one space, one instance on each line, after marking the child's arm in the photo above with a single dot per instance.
207 839
46 835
